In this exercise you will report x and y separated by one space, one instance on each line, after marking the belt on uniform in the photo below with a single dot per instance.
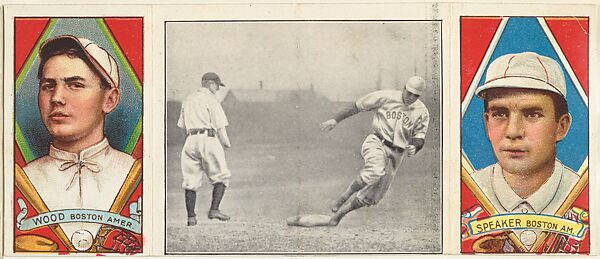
209 132
388 143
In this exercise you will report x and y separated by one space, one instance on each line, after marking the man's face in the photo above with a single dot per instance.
523 130
71 100
213 86
409 98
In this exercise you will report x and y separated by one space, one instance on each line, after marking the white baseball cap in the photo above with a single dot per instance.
102 61
415 85
527 70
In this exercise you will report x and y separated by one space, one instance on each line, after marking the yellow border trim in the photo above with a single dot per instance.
24 185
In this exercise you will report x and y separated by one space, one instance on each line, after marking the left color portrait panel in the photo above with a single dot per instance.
78 87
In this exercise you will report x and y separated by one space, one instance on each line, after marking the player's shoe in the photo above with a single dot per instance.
337 204
216 214
192 221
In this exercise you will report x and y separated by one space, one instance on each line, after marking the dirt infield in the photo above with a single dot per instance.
272 183
279 238
274 179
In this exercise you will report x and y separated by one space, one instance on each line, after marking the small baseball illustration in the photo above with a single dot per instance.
82 240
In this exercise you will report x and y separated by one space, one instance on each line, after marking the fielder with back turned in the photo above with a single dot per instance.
204 121
399 128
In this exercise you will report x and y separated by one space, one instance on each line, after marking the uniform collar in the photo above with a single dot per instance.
84 154
538 200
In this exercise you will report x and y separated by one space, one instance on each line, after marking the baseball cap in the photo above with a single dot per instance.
415 85
212 76
98 57
527 70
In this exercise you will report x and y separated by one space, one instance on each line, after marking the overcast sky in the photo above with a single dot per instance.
342 60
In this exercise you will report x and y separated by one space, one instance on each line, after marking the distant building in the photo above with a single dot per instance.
235 96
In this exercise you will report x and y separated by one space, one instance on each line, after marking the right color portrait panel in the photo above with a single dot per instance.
524 135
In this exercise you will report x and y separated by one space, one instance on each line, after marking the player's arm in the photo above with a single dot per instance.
340 116
220 121
417 142
368 102
223 137
181 121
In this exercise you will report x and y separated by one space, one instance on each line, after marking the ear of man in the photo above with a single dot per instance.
563 125
111 99
486 119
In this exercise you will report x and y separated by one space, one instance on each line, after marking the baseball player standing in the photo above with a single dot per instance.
399 127
204 120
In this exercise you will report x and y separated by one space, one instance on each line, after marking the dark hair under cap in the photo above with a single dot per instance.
72 53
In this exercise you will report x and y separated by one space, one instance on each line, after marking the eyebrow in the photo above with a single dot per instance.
73 78
66 79
47 80
496 108
532 108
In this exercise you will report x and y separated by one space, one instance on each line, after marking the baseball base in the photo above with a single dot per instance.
309 220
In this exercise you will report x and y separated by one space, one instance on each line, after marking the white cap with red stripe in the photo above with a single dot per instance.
102 61
527 70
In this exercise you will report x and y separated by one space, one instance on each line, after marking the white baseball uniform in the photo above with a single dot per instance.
395 122
546 200
90 180
202 154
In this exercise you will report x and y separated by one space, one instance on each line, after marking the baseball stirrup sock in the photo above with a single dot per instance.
355 186
348 207
217 195
190 202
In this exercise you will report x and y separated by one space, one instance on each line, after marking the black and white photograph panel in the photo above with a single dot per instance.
303 137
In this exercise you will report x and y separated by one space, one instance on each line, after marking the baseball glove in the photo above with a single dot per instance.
490 244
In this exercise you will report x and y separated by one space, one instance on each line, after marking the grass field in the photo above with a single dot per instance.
300 171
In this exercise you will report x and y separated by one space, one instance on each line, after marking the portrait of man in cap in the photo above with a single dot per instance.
83 183
525 116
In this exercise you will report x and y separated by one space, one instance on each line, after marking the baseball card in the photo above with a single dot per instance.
524 85
291 131
286 128
74 123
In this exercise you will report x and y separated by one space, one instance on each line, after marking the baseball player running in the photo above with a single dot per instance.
399 127
204 120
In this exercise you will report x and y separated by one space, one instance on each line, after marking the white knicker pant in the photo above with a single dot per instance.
202 154
381 165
